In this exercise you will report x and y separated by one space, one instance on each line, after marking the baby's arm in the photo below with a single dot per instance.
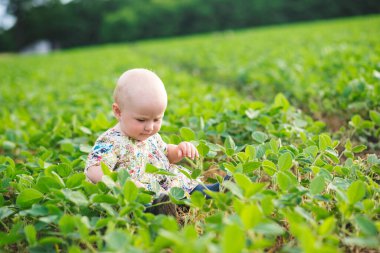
176 153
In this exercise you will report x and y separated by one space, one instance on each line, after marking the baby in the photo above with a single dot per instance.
140 102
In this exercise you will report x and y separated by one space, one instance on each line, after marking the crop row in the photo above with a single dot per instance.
296 186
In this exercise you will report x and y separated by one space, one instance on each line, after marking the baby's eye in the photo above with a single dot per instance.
156 120
140 120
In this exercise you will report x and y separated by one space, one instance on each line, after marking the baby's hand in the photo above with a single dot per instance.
187 149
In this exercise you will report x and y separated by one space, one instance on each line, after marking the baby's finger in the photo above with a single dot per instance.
193 150
196 153
182 148
188 147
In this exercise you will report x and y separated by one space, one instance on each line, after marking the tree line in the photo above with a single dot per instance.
89 22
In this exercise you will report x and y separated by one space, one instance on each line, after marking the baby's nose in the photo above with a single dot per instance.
149 126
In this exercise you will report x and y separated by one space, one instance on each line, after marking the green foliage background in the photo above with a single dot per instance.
89 22
254 102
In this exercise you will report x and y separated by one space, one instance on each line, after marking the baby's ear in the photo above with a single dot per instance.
116 110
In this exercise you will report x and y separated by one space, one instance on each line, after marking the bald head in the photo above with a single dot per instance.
138 86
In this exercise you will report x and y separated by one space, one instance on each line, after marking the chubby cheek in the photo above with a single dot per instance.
133 126
157 127
137 127
127 126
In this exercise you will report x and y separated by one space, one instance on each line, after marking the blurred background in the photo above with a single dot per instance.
44 25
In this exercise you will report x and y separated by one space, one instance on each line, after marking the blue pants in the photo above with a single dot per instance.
212 187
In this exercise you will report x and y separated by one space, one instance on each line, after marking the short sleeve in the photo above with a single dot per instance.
161 145
105 151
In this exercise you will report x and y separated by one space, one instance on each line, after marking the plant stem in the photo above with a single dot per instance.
5 226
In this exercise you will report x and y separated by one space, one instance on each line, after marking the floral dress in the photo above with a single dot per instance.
119 151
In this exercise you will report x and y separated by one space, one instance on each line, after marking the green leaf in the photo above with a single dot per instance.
195 174
356 121
5 212
57 178
67 147
109 182
74 249
332 154
144 198
260 151
75 180
327 227
229 143
372 159
242 180
36 210
122 176
348 145
85 130
104 198
233 188
197 199
51 240
269 228
8 145
221 127
359 148
30 234
203 149
356 191
154 170
249 167
46 183
281 101
251 152
187 134
28 197
11 236
370 242
267 205
324 142
177 193
274 146
269 167
283 181
233 239
250 188
259 137
67 224
76 197
64 170
375 117
317 185
103 222
285 161
130 191
242 156
251 215
230 167
366 226
105 169
85 148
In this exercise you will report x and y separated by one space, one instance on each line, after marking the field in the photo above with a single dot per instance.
292 112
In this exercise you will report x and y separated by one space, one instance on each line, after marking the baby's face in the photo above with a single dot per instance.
142 120
140 103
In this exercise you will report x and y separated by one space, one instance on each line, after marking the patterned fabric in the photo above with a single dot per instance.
119 151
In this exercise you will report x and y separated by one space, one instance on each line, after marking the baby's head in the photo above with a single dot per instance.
139 103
